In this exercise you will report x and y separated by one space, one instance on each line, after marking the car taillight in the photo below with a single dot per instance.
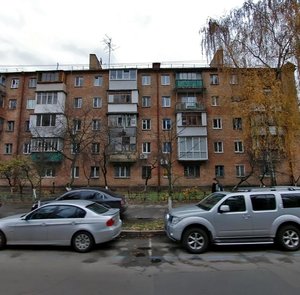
110 222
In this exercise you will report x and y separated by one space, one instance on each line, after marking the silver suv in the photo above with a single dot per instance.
249 217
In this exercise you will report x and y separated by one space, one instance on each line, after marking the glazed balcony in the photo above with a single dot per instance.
189 85
190 107
48 157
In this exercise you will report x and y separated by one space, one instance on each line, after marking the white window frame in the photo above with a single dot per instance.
96 124
238 146
146 80
12 104
240 170
77 102
95 172
218 147
217 123
26 148
30 104
214 79
98 81
97 102
215 100
8 148
146 148
165 79
146 124
75 172
15 82
78 81
166 147
166 101
122 171
146 101
95 148
167 124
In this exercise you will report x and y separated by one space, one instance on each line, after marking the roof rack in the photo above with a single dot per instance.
271 188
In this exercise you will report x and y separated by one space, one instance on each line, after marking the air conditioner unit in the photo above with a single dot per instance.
143 156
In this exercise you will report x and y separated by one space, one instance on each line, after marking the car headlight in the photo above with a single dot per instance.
175 219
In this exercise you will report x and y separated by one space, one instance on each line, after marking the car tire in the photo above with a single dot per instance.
82 242
288 238
2 240
195 240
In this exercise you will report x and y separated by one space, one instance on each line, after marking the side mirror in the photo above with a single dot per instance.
224 208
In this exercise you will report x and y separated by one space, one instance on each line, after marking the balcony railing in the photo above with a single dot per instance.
190 107
189 84
50 157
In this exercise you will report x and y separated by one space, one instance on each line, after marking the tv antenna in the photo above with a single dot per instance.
108 42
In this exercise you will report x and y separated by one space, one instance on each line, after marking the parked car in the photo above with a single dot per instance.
78 223
248 217
99 195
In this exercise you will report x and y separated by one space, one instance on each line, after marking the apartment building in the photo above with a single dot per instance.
128 126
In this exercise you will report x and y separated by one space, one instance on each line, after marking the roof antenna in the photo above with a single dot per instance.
108 41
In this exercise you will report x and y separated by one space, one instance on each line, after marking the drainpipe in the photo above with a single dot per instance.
156 66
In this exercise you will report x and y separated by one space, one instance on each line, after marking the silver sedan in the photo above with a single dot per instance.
77 223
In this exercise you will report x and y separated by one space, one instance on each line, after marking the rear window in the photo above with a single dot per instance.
263 202
291 200
97 208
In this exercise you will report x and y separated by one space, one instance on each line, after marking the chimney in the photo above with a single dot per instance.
95 64
156 65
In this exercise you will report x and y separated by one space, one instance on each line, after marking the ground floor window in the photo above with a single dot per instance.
122 171
95 172
191 171
146 172
219 171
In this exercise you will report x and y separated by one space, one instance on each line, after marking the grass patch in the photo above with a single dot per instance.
143 224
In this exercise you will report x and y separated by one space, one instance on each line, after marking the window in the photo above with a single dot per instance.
146 124
192 147
167 147
48 77
146 101
77 102
219 171
78 81
75 172
218 147
191 119
165 79
48 172
146 172
233 79
123 121
238 146
10 126
96 125
12 104
46 98
214 79
26 148
291 200
122 171
240 170
8 147
98 80
146 147
75 148
215 101
129 75
236 204
45 120
120 97
76 125
237 123
166 124
27 126
30 105
1 100
146 80
217 123
166 102
95 148
192 171
32 83
97 102
95 172
14 83
263 202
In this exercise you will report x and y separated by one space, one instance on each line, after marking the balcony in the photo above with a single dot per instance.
123 157
189 85
190 107
47 157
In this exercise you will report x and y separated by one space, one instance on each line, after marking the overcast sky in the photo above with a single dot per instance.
46 32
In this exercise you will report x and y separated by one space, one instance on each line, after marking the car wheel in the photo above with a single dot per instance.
2 240
195 240
288 238
82 242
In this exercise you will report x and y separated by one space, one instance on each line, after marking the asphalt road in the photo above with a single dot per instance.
148 266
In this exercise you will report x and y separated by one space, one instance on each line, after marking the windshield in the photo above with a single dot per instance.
97 208
210 201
